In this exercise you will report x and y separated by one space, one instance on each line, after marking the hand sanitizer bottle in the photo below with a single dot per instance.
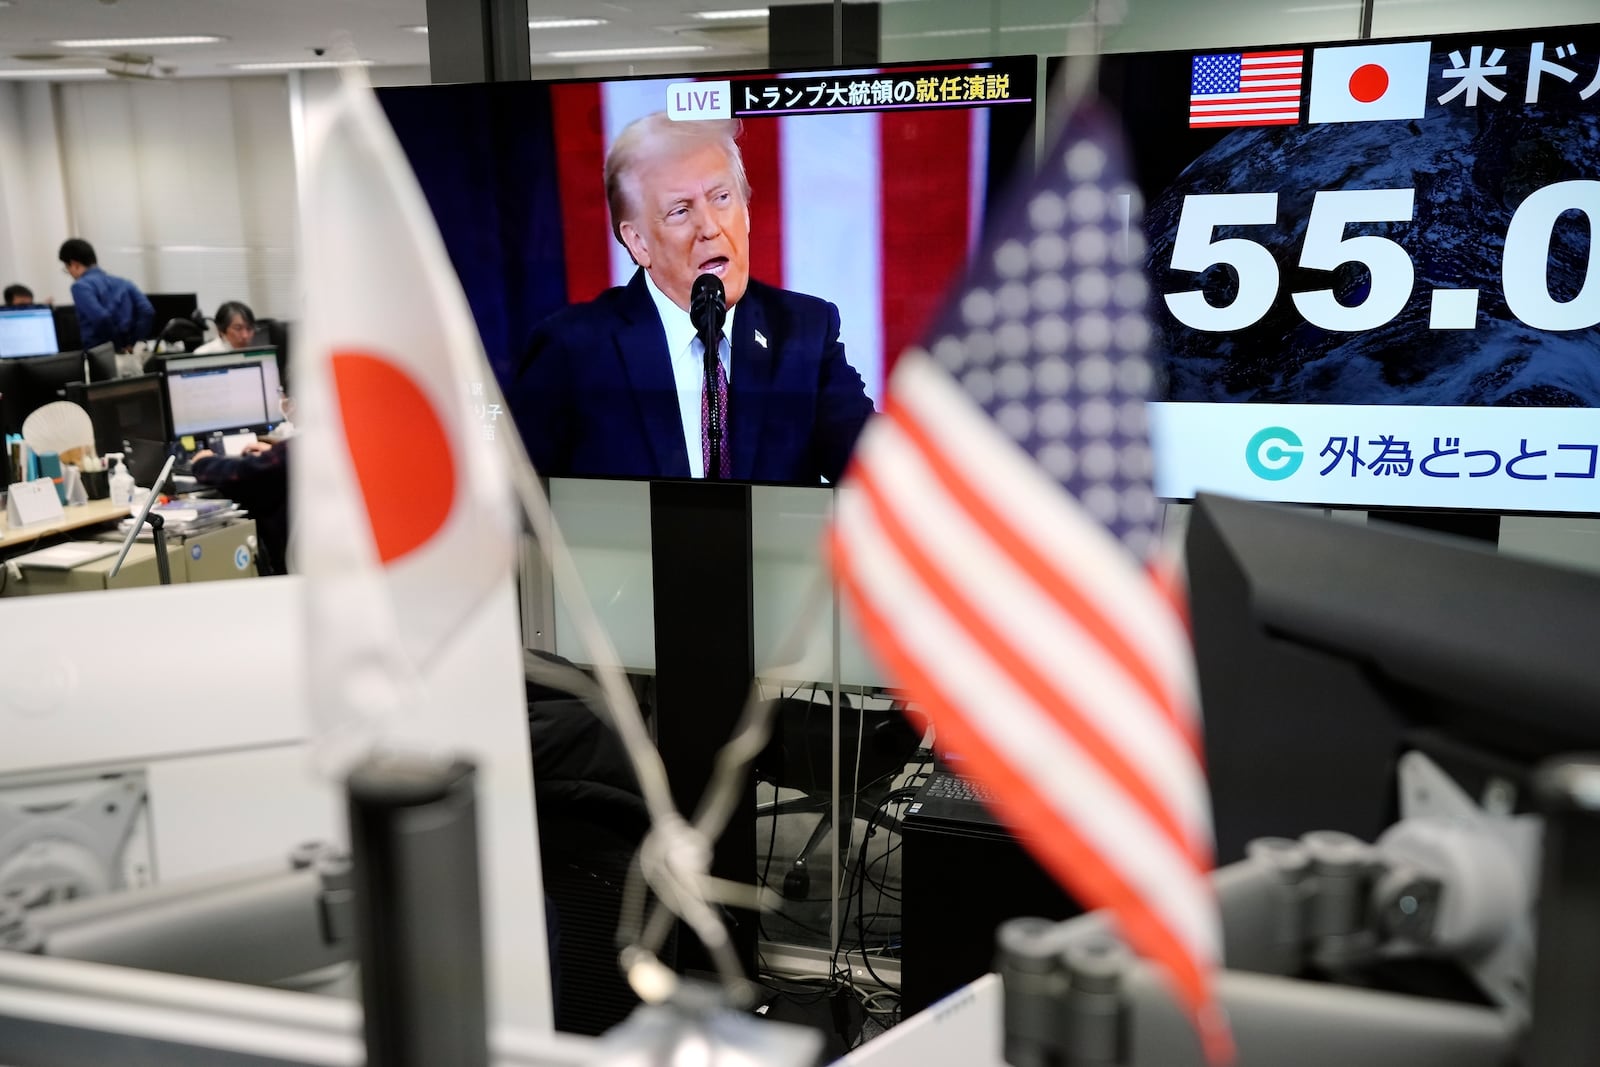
121 482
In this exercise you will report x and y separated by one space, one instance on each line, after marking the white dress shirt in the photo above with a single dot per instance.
213 346
689 368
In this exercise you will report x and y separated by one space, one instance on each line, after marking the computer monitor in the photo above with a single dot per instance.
229 395
124 410
266 357
1326 649
169 306
868 189
32 382
29 331
1375 278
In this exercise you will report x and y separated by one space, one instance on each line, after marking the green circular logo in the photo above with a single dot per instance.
1274 454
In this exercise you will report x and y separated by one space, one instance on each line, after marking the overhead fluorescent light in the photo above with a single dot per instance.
970 32
540 24
563 24
137 42
630 53
56 72
305 64
735 13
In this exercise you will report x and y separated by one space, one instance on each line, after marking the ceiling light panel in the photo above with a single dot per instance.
630 53
137 42
309 64
58 72
734 13
564 24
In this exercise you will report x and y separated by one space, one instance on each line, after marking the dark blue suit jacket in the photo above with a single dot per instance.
595 395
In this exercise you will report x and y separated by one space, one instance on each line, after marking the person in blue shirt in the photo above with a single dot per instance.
109 308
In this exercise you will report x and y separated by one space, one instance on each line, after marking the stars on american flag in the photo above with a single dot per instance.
1074 282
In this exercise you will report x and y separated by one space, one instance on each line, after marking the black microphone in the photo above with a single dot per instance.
708 304
708 309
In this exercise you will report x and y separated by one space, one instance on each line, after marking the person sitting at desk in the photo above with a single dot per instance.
19 296
258 479
109 308
236 328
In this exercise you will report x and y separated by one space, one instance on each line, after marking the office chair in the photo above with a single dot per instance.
188 331
591 821
275 332
799 756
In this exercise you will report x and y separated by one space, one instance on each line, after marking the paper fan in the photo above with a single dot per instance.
58 427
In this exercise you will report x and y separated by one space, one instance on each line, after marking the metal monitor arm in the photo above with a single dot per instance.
1448 881
261 925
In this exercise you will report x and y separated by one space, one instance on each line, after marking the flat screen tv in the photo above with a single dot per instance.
1374 268
863 192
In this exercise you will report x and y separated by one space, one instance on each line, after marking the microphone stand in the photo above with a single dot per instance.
711 338
158 535
708 311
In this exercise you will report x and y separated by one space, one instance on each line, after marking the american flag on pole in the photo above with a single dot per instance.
990 536
1245 89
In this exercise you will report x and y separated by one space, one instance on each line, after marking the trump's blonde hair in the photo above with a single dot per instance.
654 136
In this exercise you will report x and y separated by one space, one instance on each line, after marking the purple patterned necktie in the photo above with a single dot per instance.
725 468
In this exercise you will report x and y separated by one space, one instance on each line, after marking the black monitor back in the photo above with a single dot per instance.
68 335
171 306
124 411
35 382
1326 649
9 377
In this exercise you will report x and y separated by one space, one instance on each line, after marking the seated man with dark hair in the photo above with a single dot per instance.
18 296
109 308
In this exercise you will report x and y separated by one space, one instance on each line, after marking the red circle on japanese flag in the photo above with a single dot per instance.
400 451
1368 82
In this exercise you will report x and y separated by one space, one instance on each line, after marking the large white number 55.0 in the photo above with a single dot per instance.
1193 249
1527 263
1327 247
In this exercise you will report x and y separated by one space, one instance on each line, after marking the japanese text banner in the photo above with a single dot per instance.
1512 459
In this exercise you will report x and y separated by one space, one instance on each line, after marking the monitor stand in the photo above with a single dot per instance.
1474 525
705 659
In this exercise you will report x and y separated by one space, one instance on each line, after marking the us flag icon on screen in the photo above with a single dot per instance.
1368 83
1245 89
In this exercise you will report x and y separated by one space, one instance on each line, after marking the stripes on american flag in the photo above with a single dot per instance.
876 213
990 535
1245 89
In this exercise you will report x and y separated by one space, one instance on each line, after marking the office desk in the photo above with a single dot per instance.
138 570
219 553
73 518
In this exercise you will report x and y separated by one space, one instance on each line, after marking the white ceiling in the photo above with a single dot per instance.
289 30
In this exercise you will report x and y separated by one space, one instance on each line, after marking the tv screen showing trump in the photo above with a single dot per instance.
710 277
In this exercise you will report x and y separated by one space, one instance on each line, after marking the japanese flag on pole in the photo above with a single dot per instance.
403 512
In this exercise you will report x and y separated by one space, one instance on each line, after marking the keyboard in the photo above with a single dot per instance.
948 786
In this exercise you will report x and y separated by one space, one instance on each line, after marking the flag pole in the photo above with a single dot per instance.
419 925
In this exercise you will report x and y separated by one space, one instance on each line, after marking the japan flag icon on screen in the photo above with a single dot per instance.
1366 83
